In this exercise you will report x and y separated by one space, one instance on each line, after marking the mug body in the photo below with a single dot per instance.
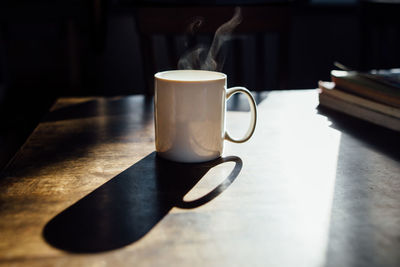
189 115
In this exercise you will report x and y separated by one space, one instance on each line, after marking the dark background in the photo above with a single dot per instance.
77 48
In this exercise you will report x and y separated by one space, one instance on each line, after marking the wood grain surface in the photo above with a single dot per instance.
311 188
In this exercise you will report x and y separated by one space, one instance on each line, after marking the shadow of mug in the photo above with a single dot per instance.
128 206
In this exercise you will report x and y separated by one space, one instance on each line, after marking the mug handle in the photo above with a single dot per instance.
253 110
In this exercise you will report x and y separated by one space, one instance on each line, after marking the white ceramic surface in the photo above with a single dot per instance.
190 108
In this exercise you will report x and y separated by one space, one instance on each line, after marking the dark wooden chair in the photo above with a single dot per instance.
380 34
52 44
170 23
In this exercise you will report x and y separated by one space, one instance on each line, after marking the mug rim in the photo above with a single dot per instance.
158 76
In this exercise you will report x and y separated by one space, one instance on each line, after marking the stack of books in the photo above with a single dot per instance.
371 96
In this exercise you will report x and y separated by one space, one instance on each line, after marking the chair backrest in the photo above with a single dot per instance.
171 23
380 31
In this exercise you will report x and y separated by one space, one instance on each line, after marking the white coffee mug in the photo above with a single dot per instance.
190 107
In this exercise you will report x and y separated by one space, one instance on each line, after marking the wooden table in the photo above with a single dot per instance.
311 188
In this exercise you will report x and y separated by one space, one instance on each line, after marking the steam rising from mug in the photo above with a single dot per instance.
200 58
